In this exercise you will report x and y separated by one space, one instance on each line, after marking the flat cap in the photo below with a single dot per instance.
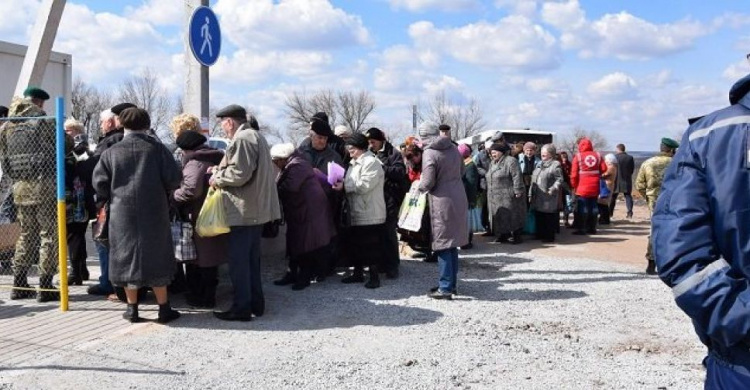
135 119
376 134
670 143
428 129
232 111
282 150
36 93
118 109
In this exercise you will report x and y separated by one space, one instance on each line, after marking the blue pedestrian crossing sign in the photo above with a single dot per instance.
205 36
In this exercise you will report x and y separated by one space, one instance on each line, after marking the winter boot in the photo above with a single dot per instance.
579 224
20 281
131 313
167 314
303 277
591 221
651 268
45 283
515 237
358 276
374 281
291 275
75 276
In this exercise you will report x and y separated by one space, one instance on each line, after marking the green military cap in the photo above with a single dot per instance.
36 93
670 143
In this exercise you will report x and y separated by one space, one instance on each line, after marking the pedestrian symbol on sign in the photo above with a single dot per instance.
205 36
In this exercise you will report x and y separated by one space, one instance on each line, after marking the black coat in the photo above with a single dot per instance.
625 169
396 181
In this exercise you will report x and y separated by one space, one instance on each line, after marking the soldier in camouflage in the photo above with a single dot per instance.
648 184
27 156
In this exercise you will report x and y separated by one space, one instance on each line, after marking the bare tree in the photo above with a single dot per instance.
570 141
145 92
465 119
87 103
354 108
348 108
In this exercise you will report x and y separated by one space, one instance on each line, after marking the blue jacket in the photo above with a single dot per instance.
701 227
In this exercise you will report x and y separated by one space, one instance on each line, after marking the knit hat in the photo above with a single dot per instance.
320 116
282 150
190 140
428 129
465 150
500 147
321 128
135 119
358 140
376 134
342 130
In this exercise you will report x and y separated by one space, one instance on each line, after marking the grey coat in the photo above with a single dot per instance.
442 167
546 182
135 176
504 182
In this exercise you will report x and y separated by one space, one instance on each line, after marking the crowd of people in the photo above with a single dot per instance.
137 188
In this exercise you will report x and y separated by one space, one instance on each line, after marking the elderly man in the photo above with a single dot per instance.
247 179
648 184
624 181
316 148
701 225
27 156
395 188
36 95
112 133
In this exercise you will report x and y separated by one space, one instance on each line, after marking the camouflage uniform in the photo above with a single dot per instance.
648 184
29 160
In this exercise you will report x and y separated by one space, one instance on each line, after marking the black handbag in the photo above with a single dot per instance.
345 215
271 228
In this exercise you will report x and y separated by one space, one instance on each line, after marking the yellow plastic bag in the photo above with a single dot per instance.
212 220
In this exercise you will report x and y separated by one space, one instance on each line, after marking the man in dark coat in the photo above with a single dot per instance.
135 177
395 188
624 181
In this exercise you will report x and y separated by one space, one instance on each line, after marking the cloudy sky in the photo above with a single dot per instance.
633 70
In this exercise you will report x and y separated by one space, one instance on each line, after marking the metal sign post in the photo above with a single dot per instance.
203 40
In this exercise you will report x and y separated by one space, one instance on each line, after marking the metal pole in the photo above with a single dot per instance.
62 234
196 75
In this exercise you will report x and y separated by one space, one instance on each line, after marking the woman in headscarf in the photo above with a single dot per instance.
196 157
505 195
307 213
546 183
363 186
135 176
442 167
609 177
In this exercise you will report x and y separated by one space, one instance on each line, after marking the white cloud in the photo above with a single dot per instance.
159 12
289 24
736 70
519 7
18 20
442 84
252 67
620 35
513 42
441 5
614 86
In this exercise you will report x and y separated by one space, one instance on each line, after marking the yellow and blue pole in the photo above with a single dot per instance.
62 234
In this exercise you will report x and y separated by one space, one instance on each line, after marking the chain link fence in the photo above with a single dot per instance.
29 206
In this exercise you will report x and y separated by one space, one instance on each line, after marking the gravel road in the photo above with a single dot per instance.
519 322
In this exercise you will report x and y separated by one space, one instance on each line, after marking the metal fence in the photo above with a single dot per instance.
32 204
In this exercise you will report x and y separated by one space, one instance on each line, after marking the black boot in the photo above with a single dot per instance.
591 221
45 283
579 224
374 281
651 268
131 313
75 277
291 274
515 237
20 281
167 314
303 277
358 276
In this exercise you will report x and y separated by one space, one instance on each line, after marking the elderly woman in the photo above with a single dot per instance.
196 157
135 177
419 242
442 166
363 186
470 179
506 196
544 193
609 177
308 215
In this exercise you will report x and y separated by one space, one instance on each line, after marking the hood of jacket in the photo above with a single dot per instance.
439 143
21 107
584 145
739 90
203 153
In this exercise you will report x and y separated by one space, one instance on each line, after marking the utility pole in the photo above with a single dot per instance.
40 46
